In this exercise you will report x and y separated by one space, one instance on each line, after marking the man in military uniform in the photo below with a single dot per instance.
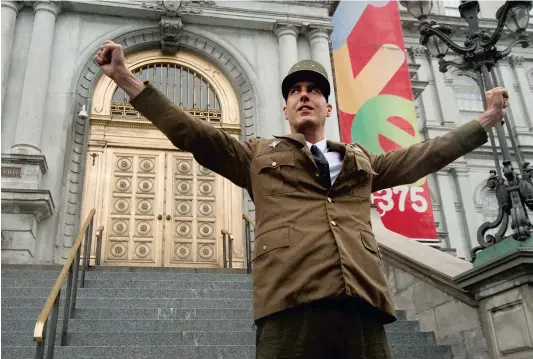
317 286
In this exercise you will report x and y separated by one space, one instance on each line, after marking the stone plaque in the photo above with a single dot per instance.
11 172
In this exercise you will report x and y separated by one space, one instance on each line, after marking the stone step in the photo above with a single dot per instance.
134 303
137 352
132 293
196 352
163 325
58 268
246 336
106 325
24 313
142 338
133 275
132 284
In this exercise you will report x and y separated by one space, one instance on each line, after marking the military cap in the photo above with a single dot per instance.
306 70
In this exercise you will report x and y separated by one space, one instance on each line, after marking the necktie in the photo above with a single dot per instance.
323 166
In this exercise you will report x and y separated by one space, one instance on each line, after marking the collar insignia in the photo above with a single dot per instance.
273 144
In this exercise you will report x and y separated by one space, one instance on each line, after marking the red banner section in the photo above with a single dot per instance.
375 103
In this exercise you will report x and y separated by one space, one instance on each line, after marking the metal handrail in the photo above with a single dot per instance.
248 241
98 256
71 267
227 248
248 219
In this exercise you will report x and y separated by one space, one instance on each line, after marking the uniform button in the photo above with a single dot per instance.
264 247
333 223
274 164
329 200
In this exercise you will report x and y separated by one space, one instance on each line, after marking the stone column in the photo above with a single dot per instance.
429 96
30 119
453 225
507 78
443 85
523 89
319 42
10 11
287 35
466 192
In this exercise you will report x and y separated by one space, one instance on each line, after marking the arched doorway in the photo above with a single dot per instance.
157 205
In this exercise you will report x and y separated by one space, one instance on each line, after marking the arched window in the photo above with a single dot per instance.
467 97
185 87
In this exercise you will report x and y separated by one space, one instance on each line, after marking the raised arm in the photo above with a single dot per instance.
212 148
407 165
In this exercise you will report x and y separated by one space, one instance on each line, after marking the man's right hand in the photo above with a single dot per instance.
111 60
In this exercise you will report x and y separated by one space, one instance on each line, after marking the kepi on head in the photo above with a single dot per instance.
306 70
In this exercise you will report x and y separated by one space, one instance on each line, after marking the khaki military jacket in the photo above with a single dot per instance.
310 243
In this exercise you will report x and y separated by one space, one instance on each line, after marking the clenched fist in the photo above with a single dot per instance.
111 60
497 102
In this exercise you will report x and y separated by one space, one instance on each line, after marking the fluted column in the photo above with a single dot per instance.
10 11
450 217
319 42
287 35
30 119
462 174
506 78
429 96
443 85
523 89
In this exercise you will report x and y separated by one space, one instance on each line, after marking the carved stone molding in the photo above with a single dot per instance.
37 202
178 7
170 34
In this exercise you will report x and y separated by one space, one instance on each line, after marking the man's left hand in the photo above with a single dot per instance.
497 102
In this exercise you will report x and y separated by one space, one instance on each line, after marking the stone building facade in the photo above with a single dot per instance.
71 143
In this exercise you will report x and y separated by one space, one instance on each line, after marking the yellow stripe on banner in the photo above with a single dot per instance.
352 92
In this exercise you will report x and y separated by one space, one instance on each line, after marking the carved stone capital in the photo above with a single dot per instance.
286 28
420 52
13 5
53 7
314 32
170 34
515 60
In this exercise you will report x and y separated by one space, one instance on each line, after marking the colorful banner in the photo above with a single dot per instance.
375 103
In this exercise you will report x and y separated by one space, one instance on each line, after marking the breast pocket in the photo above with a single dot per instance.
275 173
361 181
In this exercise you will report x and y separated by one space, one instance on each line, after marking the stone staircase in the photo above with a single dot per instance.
144 313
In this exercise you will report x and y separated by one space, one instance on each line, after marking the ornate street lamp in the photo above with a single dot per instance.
514 191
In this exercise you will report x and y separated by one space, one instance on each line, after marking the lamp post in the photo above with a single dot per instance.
514 191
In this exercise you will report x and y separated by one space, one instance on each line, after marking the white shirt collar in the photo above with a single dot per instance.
322 145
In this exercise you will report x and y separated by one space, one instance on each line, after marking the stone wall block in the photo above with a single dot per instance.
426 296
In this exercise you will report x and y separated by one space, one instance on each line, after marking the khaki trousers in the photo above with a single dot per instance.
322 330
